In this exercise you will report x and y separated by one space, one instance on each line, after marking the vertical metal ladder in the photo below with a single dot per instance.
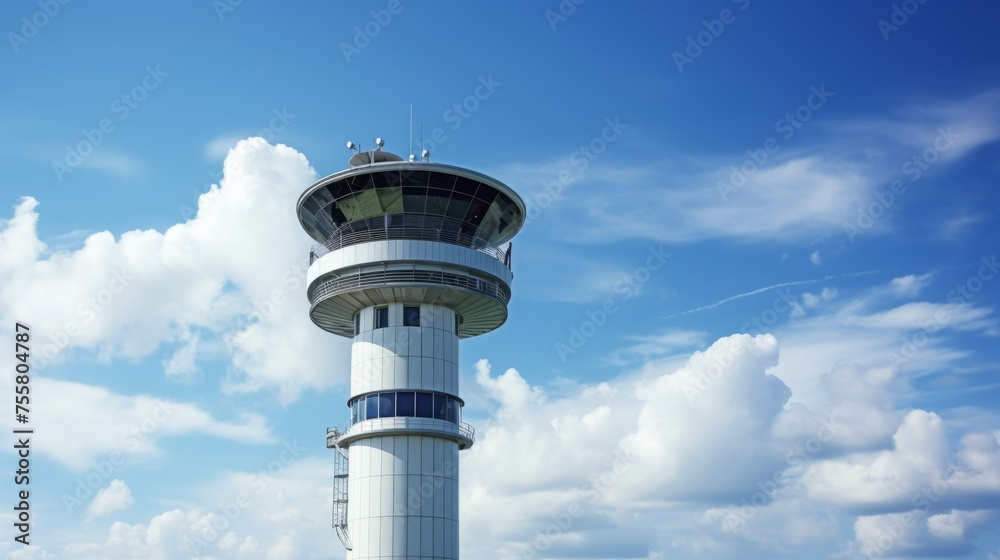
340 469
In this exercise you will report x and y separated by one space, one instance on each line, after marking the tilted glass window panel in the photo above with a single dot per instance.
466 186
336 215
442 181
414 177
371 407
414 204
487 194
476 213
391 200
437 202
457 209
337 190
312 204
386 179
359 183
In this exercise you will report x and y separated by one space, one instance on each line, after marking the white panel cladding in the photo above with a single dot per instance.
377 252
411 486
398 357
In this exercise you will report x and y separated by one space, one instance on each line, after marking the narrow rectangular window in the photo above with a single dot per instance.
404 403
457 322
381 317
440 407
425 405
357 323
452 406
371 407
411 316
386 405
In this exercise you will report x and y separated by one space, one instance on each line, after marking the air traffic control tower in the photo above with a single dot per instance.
409 262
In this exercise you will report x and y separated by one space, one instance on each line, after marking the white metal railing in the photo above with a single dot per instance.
462 429
359 280
418 227
467 430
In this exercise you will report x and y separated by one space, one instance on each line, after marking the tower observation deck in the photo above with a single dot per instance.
409 260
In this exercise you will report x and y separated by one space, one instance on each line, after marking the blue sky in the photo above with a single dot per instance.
753 311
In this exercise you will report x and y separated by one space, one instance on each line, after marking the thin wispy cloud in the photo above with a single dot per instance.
769 288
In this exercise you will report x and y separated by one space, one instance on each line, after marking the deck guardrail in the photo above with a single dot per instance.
426 228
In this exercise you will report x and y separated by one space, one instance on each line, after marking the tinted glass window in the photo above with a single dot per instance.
466 186
452 406
442 181
440 407
386 179
357 323
386 405
404 403
425 405
381 317
411 316
412 177
371 407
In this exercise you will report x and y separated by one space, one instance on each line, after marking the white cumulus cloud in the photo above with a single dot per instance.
116 496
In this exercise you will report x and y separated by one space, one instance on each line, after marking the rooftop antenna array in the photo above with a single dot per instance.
424 154
412 157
